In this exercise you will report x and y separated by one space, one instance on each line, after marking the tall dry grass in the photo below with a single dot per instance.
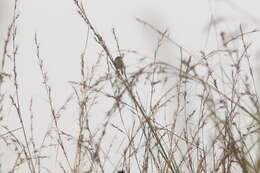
200 115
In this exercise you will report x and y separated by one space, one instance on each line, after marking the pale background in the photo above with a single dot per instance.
61 33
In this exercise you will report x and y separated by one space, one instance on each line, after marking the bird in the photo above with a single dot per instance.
119 64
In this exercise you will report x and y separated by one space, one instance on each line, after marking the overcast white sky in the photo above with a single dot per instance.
61 33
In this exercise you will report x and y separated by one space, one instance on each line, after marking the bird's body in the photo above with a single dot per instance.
119 64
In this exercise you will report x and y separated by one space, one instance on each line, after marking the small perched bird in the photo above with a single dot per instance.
119 64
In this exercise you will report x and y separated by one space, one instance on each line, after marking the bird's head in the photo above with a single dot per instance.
118 58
